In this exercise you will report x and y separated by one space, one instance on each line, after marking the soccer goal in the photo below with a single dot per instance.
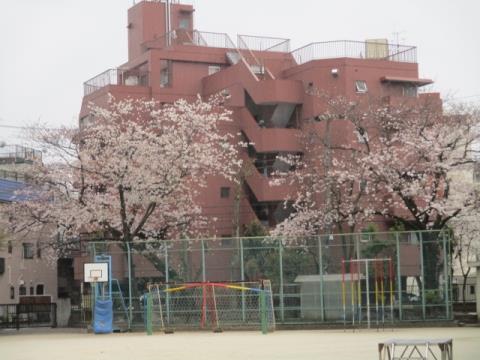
210 305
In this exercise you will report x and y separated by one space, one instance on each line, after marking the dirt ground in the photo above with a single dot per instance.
298 344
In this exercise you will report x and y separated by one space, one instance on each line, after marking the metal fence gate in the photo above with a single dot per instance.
16 316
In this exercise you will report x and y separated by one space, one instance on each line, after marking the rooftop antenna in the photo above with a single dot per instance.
397 38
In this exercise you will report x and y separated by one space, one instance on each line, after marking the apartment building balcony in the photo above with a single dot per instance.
369 50
116 77
269 213
268 140
264 191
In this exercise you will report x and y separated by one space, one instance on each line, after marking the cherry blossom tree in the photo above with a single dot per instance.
466 234
331 184
372 160
397 164
133 173
465 229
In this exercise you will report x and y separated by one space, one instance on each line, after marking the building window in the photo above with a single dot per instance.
410 91
12 293
212 69
10 247
39 289
165 73
184 23
22 290
472 289
39 251
361 86
224 192
32 290
28 251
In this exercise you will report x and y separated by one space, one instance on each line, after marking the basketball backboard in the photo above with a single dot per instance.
95 272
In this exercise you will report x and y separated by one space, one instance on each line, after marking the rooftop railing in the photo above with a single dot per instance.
185 2
263 43
212 39
356 50
191 37
116 77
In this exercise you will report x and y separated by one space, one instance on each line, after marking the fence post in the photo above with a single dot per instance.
149 313
17 318
280 261
129 264
167 280
446 276
422 273
359 282
53 310
242 276
263 312
320 272
204 274
93 289
399 278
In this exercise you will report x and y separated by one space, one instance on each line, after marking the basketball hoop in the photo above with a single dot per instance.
95 272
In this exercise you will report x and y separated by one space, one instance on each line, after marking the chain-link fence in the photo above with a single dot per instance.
309 283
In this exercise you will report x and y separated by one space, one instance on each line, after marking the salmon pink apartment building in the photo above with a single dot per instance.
269 87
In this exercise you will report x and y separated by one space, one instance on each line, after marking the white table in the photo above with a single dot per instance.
416 349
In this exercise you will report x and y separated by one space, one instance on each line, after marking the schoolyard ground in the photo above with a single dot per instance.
281 345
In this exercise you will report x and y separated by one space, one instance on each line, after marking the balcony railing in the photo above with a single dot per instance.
263 43
14 175
19 154
356 50
116 77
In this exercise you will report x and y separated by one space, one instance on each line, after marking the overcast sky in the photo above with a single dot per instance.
48 48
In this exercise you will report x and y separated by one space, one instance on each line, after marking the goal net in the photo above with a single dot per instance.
210 305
